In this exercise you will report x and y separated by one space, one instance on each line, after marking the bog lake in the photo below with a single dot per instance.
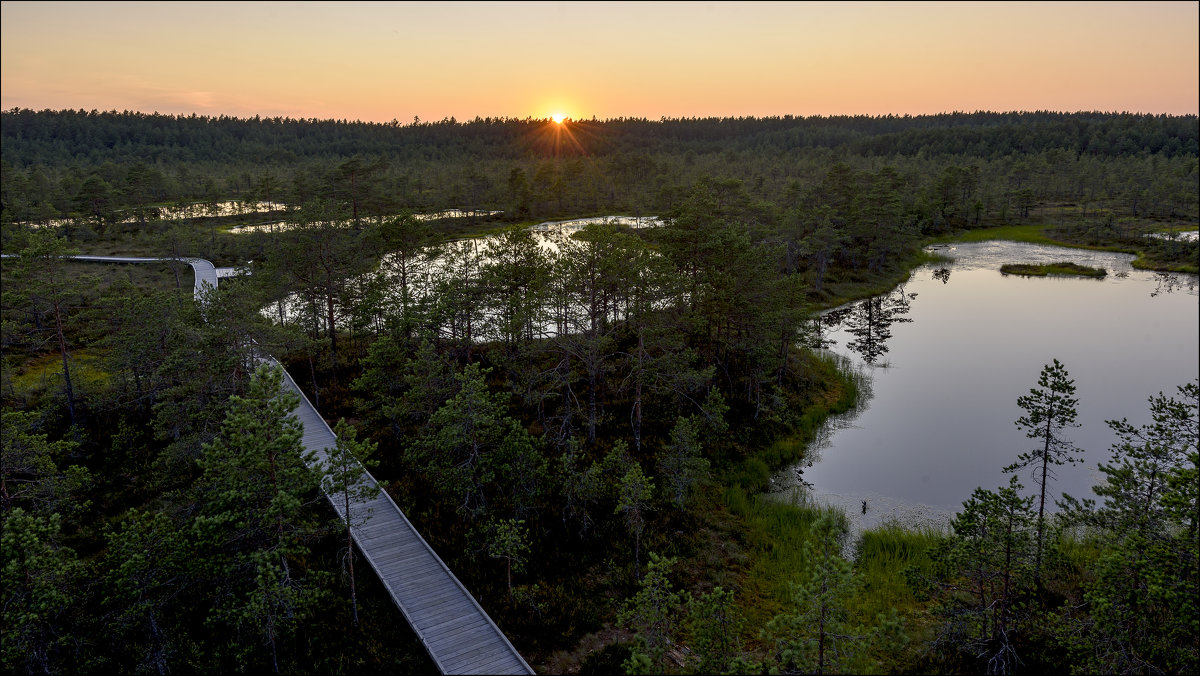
943 358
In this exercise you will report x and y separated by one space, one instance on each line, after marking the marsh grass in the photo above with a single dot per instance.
883 554
776 532
1074 557
926 257
1032 234
1061 268
754 472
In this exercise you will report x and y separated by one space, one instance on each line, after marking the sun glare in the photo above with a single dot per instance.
558 118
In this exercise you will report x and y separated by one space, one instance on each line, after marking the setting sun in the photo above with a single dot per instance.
558 118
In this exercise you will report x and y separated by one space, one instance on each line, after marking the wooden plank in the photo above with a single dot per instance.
489 665
442 596
447 617
431 614
431 595
415 565
468 653
504 663
409 572
392 555
454 621
446 600
471 660
448 641
436 622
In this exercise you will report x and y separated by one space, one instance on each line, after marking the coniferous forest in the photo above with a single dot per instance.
583 425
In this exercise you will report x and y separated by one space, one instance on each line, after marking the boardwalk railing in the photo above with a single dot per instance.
455 630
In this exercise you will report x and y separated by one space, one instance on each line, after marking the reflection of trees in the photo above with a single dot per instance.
870 322
816 337
942 275
1166 282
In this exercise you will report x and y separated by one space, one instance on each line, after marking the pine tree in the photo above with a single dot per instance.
1144 589
816 635
42 582
1049 410
653 613
47 295
345 480
509 540
989 568
633 499
681 463
254 488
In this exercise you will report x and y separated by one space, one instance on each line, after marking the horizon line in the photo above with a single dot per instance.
417 122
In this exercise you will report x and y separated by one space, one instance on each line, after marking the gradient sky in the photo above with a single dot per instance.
384 61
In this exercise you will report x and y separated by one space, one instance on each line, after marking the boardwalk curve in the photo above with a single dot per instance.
456 632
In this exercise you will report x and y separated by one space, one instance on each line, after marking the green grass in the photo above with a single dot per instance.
1144 262
1031 234
754 472
925 257
775 534
886 557
774 530
45 372
883 554
1062 268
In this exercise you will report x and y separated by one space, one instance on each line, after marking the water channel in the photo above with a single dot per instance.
944 357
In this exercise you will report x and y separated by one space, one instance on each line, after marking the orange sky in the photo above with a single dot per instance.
384 61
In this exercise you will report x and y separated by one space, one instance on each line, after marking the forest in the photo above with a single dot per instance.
582 424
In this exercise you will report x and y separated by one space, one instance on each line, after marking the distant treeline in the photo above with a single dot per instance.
959 169
69 137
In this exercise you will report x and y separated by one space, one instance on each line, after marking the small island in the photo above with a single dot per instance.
1061 268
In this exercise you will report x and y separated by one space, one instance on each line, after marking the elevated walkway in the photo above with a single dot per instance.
455 630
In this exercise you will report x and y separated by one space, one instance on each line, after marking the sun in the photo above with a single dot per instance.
558 118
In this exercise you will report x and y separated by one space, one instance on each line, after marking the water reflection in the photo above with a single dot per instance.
940 420
1169 282
448 284
281 226
549 227
577 224
166 213
455 213
869 322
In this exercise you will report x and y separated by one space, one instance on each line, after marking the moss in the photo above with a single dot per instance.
45 372
1144 262
1062 268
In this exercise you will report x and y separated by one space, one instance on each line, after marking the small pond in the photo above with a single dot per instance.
944 357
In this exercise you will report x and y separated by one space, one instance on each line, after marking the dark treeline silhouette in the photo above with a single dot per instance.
59 138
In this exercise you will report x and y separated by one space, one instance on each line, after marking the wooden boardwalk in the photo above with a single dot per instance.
455 630
458 634
206 273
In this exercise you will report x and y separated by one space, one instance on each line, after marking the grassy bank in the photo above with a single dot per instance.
865 284
1146 255
1030 234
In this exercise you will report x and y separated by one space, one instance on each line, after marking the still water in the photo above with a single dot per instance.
945 356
